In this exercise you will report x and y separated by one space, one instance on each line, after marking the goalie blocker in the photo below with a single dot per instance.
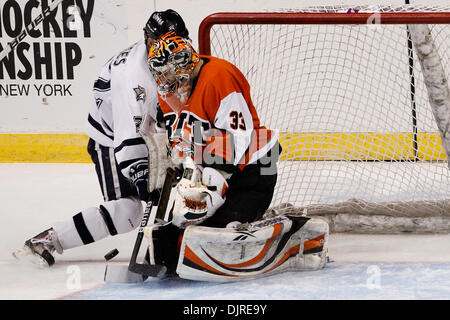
264 247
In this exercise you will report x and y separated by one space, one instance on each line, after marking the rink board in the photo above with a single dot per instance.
71 148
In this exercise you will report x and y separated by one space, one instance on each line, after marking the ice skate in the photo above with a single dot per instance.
39 249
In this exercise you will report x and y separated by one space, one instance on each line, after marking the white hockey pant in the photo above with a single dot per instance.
95 223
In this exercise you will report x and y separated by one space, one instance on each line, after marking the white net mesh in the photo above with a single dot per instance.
352 109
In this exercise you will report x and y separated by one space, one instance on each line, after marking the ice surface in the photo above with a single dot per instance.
34 196
338 280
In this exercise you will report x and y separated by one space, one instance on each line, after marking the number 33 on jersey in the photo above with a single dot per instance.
220 100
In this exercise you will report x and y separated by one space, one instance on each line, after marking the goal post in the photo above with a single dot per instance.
361 99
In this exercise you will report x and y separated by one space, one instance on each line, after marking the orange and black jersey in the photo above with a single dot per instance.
220 120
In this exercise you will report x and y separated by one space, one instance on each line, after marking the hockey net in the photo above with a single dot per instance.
365 132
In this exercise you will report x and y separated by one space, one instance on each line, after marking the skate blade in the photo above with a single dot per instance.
25 255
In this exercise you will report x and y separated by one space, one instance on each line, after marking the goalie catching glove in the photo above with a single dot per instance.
198 195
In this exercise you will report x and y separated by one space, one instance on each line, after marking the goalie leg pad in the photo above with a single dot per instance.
314 237
261 248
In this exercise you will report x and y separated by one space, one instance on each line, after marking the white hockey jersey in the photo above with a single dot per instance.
123 93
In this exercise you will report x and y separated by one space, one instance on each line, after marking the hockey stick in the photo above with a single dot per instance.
150 270
145 269
138 272
13 44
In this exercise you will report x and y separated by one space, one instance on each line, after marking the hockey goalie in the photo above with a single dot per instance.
216 229
267 246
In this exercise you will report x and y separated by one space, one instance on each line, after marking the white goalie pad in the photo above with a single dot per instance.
253 250
156 141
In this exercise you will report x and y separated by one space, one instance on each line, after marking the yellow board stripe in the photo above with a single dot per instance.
430 147
361 146
51 148
71 148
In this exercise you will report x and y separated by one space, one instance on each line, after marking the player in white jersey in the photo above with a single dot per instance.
123 93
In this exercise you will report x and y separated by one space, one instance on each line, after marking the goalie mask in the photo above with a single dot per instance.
172 61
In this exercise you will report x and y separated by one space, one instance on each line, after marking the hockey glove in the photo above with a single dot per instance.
198 196
139 178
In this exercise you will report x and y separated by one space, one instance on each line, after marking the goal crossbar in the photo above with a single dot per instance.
314 18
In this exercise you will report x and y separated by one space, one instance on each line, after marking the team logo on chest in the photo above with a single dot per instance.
140 93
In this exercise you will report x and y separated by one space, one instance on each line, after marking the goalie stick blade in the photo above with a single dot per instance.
121 274
149 270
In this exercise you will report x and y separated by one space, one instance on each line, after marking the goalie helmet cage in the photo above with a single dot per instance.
365 132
